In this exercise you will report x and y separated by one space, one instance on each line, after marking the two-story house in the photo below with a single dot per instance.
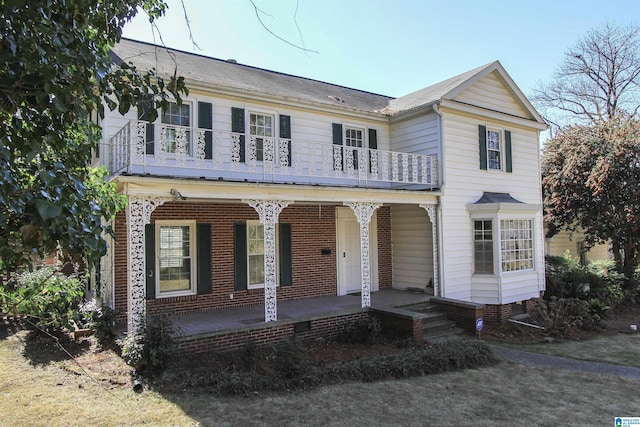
264 187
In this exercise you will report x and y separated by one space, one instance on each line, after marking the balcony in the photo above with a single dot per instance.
164 150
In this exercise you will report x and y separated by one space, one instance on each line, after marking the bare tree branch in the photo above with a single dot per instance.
258 12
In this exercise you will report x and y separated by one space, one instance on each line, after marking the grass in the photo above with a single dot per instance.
618 349
58 392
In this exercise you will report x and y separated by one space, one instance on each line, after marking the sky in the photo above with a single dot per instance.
388 47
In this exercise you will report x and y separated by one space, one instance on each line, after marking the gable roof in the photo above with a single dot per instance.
450 88
228 74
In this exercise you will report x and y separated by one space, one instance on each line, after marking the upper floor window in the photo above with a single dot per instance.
516 242
177 136
260 128
493 149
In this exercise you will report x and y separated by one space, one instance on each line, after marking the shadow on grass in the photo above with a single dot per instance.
41 349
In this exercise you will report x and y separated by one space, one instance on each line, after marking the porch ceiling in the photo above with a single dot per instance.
234 191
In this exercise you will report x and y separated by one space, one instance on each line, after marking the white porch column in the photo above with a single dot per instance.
432 211
268 212
364 211
139 212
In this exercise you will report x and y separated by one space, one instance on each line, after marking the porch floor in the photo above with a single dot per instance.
231 318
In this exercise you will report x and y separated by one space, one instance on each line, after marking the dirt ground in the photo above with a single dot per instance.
102 362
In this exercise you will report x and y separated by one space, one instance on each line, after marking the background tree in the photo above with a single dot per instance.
598 78
591 181
55 74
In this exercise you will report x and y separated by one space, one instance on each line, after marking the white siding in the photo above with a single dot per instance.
412 247
491 92
306 125
464 183
418 135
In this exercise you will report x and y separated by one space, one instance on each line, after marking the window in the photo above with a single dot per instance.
255 254
516 241
483 246
493 149
353 137
260 128
177 139
175 249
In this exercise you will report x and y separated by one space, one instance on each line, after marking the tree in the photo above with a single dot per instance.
591 180
598 78
56 75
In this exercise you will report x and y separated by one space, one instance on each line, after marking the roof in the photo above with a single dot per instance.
488 197
228 74
433 93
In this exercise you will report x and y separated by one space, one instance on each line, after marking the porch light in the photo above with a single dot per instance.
175 193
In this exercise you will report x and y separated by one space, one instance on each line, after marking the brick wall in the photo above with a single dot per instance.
384 247
314 274
266 334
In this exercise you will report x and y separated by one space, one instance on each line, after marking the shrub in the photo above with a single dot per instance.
560 316
47 298
566 278
360 331
98 317
150 346
413 361
288 358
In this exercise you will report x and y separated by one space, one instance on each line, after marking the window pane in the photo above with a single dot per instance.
174 258
483 247
255 249
516 240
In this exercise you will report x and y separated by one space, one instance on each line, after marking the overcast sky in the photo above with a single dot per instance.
385 46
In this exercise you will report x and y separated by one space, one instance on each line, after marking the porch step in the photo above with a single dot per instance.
437 327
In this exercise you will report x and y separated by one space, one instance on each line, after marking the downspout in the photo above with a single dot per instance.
440 237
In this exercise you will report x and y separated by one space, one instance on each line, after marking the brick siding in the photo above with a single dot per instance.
314 273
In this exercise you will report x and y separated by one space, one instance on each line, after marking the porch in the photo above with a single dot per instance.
305 320
211 321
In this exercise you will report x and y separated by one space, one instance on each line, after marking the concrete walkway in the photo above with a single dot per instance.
536 359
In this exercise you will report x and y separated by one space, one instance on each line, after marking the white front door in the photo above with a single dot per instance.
348 256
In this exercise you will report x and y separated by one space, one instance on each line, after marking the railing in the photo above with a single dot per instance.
181 151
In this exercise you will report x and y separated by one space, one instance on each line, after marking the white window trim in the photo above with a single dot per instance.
533 244
192 250
261 285
191 128
496 219
276 128
500 153
493 241
365 134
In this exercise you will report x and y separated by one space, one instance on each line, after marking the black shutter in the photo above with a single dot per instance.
240 256
205 121
373 144
337 140
286 265
482 137
150 260
285 133
203 237
507 151
237 126
143 114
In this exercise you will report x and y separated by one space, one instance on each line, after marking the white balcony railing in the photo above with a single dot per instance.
195 152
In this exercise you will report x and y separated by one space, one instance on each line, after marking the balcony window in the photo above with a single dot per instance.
260 128
177 136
